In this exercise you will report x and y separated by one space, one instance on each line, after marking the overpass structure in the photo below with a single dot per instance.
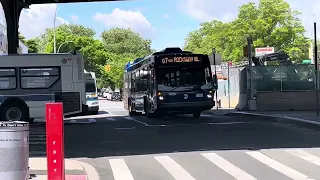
12 10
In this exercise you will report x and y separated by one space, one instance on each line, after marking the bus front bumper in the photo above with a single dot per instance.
186 107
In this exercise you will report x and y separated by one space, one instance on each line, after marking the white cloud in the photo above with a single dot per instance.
74 18
126 19
206 10
36 19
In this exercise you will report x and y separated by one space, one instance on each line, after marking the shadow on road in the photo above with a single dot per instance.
182 134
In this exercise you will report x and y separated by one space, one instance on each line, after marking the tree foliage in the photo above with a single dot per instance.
117 47
270 22
126 42
32 45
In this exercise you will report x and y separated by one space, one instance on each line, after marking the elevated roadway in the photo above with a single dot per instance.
12 10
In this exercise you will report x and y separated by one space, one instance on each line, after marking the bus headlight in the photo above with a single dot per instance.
161 98
209 96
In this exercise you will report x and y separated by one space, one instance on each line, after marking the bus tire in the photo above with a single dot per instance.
131 111
95 112
196 114
18 110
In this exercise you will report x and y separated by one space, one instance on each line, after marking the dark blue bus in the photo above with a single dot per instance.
171 81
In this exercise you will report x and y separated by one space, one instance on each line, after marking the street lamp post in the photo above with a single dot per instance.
63 44
54 31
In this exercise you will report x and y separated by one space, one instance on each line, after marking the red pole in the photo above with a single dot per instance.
55 141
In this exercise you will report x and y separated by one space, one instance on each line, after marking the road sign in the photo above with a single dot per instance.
263 51
55 141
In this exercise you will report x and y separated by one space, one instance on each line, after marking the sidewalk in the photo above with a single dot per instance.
300 117
74 170
309 117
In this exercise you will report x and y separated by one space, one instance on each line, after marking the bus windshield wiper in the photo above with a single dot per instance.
174 88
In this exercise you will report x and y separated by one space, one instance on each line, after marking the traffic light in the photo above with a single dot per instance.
107 67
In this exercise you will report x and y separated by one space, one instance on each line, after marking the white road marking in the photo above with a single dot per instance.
228 167
306 156
120 169
124 128
174 168
291 173
132 119
111 119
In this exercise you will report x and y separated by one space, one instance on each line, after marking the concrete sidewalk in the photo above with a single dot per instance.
74 169
300 117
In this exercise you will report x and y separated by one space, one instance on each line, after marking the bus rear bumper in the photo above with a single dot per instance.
186 107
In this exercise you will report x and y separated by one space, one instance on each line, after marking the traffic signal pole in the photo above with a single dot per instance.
316 67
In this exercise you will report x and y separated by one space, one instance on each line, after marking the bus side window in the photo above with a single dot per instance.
133 85
137 81
151 80
144 79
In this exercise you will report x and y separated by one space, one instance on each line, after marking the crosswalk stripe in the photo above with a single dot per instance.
228 167
293 174
120 169
174 168
306 156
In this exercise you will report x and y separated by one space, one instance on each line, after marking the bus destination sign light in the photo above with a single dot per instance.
178 59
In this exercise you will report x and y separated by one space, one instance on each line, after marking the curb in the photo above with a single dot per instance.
91 172
41 164
277 118
219 112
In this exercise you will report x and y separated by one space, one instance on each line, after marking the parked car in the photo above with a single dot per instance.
116 96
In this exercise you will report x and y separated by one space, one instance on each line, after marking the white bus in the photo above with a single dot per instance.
92 102
29 81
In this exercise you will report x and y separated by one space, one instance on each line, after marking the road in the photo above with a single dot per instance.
183 148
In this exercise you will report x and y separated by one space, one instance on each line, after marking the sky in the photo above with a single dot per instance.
167 23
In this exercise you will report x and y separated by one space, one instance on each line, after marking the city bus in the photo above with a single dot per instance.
29 81
92 102
170 81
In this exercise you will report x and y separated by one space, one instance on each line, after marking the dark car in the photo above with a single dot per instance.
115 96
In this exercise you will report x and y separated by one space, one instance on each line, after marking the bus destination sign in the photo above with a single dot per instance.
180 59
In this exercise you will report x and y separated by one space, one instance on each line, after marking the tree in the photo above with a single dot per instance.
21 38
112 72
66 34
270 23
126 42
32 45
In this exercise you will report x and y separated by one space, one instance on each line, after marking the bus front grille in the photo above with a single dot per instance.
71 101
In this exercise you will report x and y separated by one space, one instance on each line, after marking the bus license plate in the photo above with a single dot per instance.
199 95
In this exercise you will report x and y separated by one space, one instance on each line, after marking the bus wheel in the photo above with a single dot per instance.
131 111
196 114
14 112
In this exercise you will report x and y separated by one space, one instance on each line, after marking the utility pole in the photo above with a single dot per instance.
215 73
249 39
54 31
316 66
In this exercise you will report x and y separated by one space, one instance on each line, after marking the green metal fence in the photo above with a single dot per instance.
283 78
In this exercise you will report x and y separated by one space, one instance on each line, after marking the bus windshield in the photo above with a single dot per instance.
183 79
90 87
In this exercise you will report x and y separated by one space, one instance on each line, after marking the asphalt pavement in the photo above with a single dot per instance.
183 148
